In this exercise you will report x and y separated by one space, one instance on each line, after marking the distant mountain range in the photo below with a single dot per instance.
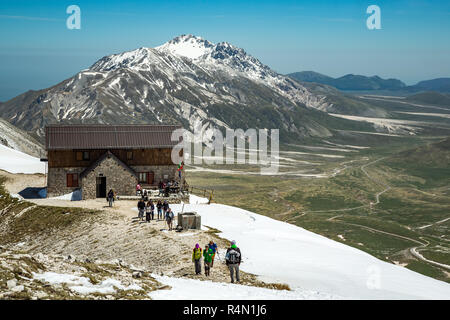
351 82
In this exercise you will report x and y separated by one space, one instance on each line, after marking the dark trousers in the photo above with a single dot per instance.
198 266
147 216
234 269
207 268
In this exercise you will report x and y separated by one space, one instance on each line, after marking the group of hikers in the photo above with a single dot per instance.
163 187
233 254
232 259
147 207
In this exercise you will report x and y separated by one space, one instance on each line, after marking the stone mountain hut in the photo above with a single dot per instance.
96 158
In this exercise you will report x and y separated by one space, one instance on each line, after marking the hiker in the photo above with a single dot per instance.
138 189
150 209
145 196
161 188
165 207
141 209
233 260
110 197
213 247
147 211
196 257
207 258
167 190
169 218
159 208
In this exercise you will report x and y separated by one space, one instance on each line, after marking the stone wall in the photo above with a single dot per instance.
57 181
117 178
159 171
122 181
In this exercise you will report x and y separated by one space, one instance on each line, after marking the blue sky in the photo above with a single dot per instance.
330 37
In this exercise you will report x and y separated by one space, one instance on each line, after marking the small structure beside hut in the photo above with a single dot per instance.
189 220
96 158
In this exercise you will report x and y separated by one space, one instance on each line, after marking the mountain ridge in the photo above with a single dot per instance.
352 82
221 86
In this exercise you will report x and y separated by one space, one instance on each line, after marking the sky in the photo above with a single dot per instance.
37 50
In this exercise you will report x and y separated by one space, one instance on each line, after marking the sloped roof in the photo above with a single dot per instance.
63 137
106 155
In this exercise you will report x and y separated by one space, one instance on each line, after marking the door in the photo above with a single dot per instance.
150 177
101 187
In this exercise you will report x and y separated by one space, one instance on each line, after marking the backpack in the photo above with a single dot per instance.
233 256
197 253
171 216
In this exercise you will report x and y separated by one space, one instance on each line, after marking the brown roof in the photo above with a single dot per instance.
59 137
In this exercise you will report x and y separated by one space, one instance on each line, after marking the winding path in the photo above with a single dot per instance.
377 196
414 250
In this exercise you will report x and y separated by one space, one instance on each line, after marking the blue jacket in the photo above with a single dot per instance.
213 247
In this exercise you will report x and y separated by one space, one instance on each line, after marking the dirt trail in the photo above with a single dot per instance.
121 235
118 234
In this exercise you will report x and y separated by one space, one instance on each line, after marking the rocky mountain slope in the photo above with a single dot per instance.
185 80
15 138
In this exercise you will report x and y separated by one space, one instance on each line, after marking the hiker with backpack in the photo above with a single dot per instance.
233 260
213 247
196 257
159 208
169 218
141 209
207 258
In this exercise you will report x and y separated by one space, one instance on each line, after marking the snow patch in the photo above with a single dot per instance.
15 161
280 252
192 289
73 196
83 285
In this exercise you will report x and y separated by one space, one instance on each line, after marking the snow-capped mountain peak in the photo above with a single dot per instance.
185 80
189 46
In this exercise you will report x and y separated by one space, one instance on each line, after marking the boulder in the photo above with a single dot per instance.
18 288
11 284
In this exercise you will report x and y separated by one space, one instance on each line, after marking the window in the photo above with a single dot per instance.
82 155
72 180
129 155
143 177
